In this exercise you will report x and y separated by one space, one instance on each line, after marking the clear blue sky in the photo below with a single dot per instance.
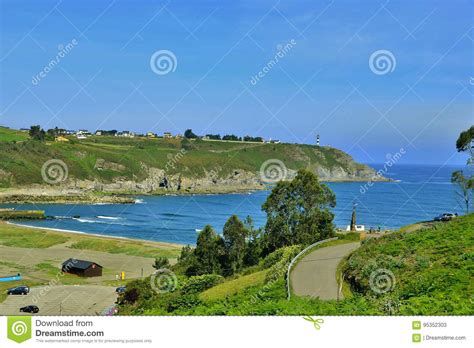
322 85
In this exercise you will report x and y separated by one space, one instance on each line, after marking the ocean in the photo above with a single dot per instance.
418 193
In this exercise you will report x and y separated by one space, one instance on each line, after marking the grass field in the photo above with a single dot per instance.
26 237
125 247
17 236
9 135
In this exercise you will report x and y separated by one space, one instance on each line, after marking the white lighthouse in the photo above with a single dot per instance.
317 140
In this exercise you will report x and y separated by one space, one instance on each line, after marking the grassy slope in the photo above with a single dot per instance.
24 160
9 135
433 269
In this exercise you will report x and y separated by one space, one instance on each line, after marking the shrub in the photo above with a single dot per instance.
200 283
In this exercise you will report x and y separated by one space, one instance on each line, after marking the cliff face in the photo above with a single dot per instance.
156 166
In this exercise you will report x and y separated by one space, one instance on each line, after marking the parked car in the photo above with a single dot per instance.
445 217
29 309
19 290
120 289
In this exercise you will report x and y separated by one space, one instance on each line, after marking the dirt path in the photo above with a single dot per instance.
315 274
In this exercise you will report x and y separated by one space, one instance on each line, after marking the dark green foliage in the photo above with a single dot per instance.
161 262
37 133
464 142
231 137
188 134
196 284
253 250
209 251
298 212
235 235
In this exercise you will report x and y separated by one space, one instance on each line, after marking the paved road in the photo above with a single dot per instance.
62 300
315 274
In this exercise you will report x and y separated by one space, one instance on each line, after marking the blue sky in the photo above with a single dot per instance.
322 85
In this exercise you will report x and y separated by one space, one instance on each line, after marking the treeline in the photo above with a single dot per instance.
297 213
38 133
189 134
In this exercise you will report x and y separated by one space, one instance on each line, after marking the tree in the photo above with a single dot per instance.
231 137
465 186
161 262
208 251
253 251
235 234
36 133
188 134
465 143
298 212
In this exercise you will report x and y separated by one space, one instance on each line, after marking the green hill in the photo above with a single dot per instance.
142 165
432 267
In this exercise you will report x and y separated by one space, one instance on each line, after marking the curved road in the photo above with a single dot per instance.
315 274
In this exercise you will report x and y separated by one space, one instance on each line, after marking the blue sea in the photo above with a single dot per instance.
418 193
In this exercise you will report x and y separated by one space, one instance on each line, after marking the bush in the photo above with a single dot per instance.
200 283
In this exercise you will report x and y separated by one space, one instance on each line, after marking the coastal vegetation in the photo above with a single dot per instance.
432 270
150 165
464 180
297 214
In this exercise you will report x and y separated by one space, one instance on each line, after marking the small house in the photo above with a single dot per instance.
82 268
61 139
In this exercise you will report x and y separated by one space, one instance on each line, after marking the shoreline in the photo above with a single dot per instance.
96 235
19 196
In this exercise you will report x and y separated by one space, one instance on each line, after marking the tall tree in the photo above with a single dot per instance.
465 182
253 250
465 186
208 251
298 212
235 235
